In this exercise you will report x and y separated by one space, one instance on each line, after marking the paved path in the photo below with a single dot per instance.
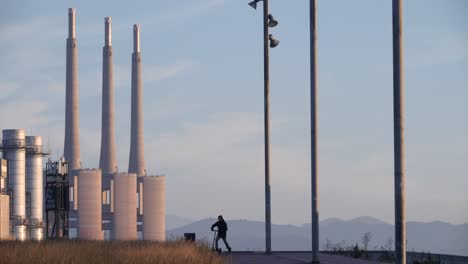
290 258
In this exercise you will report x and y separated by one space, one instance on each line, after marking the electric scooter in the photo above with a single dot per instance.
215 232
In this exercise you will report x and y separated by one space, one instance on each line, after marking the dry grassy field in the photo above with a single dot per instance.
106 252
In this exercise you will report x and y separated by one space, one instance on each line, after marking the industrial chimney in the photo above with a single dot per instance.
107 162
72 133
137 158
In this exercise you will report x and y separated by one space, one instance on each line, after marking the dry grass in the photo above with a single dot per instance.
103 252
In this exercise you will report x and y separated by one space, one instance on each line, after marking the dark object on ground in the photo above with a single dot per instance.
189 237
357 252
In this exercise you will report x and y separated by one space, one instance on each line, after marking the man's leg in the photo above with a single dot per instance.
226 243
217 240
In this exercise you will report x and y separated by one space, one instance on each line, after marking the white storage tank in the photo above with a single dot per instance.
154 201
125 219
14 151
35 185
89 204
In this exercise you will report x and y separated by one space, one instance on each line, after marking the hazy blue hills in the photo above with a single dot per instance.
434 237
174 221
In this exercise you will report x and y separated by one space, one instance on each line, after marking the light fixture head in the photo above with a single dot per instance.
271 21
273 42
253 4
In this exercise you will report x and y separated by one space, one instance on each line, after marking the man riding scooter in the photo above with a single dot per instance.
222 229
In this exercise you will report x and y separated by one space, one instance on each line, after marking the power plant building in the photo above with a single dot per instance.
88 204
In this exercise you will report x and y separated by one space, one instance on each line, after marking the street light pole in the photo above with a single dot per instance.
313 128
268 42
398 130
266 65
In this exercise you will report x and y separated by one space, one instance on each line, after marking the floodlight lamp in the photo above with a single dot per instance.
273 42
253 4
271 21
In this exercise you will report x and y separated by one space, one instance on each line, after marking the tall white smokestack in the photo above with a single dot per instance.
137 157
107 162
72 133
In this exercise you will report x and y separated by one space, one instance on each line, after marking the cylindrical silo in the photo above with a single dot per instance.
125 219
14 151
154 201
89 204
35 185
4 217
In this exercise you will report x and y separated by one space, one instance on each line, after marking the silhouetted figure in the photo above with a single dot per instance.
222 229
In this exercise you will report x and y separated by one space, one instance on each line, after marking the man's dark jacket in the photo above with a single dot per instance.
222 228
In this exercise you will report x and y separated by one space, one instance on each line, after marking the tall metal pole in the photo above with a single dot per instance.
313 128
267 127
398 124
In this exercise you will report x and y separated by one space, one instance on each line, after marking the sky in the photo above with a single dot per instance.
203 100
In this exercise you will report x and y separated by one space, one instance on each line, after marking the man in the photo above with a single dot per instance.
222 229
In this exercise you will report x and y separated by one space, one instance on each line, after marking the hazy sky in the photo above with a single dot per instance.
203 100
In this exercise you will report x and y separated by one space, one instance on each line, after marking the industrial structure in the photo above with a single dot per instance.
13 145
57 199
71 150
34 186
4 201
137 157
22 191
107 161
90 204
125 206
154 199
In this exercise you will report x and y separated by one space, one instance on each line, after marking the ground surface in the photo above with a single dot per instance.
105 252
289 258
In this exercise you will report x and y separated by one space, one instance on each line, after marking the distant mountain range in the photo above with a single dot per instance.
434 237
174 221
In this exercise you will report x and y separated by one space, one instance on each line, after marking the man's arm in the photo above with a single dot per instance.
213 226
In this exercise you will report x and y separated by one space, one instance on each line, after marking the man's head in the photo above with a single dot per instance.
220 217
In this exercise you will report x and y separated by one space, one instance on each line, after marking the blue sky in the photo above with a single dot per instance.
203 105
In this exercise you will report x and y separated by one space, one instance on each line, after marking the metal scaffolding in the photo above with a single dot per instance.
57 199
